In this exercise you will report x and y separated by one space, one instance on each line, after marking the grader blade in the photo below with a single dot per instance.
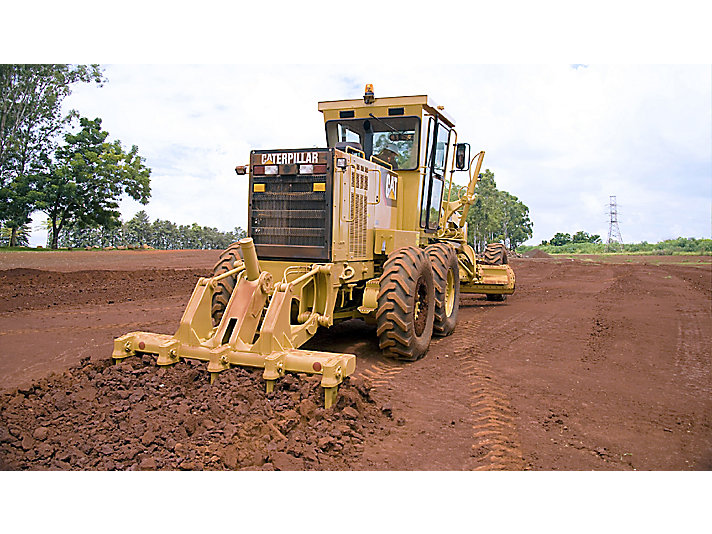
254 331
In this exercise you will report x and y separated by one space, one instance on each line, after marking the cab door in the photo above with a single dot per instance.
434 178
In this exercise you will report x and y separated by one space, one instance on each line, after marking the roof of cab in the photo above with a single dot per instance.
424 101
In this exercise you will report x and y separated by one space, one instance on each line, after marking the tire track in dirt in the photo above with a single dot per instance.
494 432
490 417
692 353
380 373
612 287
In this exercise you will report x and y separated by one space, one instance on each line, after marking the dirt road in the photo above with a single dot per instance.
592 364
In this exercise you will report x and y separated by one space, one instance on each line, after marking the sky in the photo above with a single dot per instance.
562 138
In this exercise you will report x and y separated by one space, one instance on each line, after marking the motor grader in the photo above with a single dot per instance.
369 227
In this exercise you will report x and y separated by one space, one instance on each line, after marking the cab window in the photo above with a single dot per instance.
433 179
441 149
394 140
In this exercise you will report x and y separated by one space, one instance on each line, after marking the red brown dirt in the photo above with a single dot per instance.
593 364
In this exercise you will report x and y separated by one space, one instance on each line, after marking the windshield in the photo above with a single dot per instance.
390 139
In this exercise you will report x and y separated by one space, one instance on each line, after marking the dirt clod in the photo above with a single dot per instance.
40 433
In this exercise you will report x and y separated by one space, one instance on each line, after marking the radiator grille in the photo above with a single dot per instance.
289 213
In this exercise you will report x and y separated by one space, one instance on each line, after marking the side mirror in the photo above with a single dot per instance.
462 156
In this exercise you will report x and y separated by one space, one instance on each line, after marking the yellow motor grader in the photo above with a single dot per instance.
367 228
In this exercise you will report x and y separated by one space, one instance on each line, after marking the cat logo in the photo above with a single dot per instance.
391 188
289 158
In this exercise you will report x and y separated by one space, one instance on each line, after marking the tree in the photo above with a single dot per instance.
88 177
138 230
496 216
515 222
21 236
584 237
30 121
165 234
238 233
18 198
485 213
560 239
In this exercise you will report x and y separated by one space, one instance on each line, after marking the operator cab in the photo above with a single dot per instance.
411 135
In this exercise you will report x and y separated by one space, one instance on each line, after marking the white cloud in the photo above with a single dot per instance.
562 139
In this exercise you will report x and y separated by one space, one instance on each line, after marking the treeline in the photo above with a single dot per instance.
495 216
681 245
139 231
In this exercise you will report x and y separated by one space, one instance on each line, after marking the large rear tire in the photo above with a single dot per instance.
495 254
229 259
406 309
446 279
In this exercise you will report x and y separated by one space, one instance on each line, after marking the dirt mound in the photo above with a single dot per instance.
136 416
28 289
536 253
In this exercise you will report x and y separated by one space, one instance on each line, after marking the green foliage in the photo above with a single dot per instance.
560 239
139 231
30 122
681 245
495 216
584 237
87 179
15 236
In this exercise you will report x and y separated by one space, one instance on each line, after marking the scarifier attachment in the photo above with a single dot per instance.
255 329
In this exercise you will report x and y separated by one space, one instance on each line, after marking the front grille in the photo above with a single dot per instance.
289 213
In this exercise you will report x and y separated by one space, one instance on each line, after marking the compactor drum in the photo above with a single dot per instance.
364 228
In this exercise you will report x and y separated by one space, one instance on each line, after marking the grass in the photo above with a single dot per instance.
681 246
43 249
26 249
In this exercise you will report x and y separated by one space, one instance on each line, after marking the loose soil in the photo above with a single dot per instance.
592 364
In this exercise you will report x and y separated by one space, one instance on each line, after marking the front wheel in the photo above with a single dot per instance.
406 310
446 278
229 259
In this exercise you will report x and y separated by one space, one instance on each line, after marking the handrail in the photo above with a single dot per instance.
381 161
356 150
341 195
378 190
452 164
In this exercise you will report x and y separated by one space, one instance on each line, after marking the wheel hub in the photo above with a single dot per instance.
420 315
